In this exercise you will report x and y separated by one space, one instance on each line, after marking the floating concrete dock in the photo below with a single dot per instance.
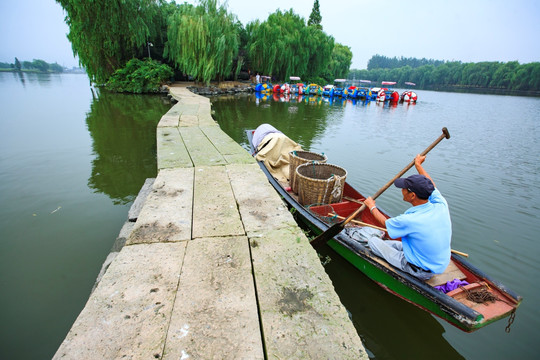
214 267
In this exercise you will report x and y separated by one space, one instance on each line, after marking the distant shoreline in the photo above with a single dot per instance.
35 71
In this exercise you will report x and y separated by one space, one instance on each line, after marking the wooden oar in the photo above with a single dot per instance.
384 229
337 227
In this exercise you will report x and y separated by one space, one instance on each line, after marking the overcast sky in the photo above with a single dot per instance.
469 31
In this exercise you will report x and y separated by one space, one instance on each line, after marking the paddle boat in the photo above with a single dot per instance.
366 93
479 300
351 92
409 96
339 87
328 90
313 89
265 86
387 94
297 88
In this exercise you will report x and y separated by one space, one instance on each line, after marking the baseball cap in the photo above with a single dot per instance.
419 184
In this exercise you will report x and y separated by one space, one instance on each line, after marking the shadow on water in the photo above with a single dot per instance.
122 128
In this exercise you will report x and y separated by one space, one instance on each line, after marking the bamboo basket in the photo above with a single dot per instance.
320 183
299 157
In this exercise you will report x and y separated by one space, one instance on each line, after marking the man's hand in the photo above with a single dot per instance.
369 202
419 159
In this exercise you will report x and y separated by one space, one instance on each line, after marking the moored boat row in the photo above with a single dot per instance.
385 93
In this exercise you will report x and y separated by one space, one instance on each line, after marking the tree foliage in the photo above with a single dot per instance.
315 17
283 46
140 76
105 34
341 62
203 40
454 74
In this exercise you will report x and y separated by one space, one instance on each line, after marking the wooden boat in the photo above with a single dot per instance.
469 307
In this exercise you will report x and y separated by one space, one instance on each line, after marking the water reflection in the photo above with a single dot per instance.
20 76
302 123
123 130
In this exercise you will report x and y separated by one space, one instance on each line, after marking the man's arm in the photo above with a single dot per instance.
418 160
370 204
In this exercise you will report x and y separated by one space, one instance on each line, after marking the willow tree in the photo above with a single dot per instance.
203 40
105 34
341 61
283 46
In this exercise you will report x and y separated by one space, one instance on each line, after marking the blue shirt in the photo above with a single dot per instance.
425 231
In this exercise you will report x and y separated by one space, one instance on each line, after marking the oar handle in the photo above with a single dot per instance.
444 135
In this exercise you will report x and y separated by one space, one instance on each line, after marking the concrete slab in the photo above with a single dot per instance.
260 206
215 313
175 110
207 120
239 159
171 150
301 315
166 214
215 212
127 315
168 121
138 204
191 108
189 120
201 150
226 145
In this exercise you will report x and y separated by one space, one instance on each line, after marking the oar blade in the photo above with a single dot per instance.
327 235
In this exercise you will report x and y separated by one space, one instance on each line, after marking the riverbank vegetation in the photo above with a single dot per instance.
202 42
496 77
205 42
36 65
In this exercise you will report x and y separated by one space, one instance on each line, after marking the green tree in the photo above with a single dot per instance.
315 17
40 65
105 34
56 68
140 76
203 40
284 46
340 63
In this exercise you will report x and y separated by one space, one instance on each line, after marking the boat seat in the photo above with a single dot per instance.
452 272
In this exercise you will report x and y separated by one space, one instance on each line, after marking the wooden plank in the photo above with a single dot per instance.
215 313
127 316
166 214
452 272
301 315
201 150
215 212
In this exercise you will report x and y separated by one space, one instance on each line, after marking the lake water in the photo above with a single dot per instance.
489 171
71 163
73 160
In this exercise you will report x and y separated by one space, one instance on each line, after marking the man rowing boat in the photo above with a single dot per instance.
425 229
